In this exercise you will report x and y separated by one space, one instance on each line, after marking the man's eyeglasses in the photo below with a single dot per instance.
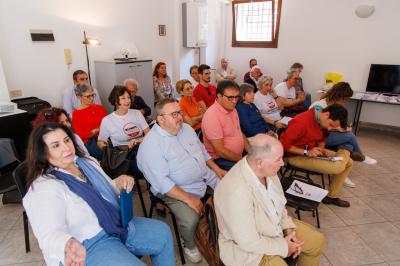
175 114
232 98
89 96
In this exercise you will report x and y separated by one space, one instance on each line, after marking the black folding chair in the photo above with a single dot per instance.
156 200
19 176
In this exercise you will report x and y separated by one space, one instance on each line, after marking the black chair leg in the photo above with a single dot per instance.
317 214
151 209
178 239
323 181
26 232
298 214
139 189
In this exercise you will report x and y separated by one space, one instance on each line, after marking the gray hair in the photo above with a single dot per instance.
254 68
289 75
160 104
259 147
262 80
80 89
245 88
133 81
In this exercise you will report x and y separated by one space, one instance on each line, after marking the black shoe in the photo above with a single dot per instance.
336 201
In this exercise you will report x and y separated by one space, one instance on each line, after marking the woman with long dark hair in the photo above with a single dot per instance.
74 210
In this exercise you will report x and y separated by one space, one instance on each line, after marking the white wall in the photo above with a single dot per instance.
38 69
326 35
4 95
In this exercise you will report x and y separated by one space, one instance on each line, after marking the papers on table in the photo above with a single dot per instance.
307 191
285 120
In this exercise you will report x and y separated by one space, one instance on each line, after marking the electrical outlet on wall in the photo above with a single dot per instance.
15 93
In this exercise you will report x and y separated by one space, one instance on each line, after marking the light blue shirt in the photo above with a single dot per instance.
167 160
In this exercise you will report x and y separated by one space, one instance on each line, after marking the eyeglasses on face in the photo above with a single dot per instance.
232 98
89 96
175 114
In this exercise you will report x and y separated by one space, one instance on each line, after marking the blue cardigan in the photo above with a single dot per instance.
251 120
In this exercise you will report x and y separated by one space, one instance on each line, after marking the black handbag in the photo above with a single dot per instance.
115 160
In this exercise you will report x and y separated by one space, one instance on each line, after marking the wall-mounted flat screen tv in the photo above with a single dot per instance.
384 79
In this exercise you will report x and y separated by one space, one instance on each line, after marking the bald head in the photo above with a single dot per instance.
262 146
265 155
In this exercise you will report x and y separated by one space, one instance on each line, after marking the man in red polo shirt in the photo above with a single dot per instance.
205 91
222 136
304 142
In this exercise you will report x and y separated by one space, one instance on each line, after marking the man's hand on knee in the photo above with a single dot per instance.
195 204
294 245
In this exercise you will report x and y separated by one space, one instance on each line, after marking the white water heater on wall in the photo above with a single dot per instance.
194 24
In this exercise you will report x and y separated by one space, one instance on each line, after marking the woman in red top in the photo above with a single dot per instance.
87 118
192 110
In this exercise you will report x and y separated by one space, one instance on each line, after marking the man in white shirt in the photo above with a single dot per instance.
195 75
255 74
254 227
70 101
225 72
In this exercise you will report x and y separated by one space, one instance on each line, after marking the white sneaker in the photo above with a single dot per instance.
369 160
193 254
349 183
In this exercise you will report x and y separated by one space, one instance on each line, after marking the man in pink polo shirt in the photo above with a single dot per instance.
222 135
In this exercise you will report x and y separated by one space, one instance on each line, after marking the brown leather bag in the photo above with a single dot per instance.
207 235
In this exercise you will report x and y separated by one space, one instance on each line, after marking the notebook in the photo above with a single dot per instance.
126 207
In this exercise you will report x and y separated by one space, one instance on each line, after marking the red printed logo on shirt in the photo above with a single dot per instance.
132 130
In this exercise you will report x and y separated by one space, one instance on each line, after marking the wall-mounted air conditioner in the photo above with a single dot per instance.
194 24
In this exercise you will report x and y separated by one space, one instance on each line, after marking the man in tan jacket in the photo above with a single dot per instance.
225 71
254 228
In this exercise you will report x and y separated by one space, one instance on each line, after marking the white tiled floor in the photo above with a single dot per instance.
368 233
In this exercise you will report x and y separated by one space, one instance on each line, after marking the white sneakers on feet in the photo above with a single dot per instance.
369 160
349 183
193 254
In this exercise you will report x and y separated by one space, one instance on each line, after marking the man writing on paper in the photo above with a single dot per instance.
304 142
254 228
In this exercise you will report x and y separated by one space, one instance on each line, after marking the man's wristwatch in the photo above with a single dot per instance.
305 152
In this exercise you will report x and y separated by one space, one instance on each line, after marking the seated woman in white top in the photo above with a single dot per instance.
265 100
124 126
294 102
343 137
74 211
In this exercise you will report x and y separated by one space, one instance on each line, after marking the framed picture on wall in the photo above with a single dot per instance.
162 30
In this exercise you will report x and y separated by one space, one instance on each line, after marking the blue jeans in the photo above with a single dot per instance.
93 149
307 101
151 237
345 139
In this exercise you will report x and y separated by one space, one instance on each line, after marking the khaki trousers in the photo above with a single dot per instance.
339 169
312 249
186 218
